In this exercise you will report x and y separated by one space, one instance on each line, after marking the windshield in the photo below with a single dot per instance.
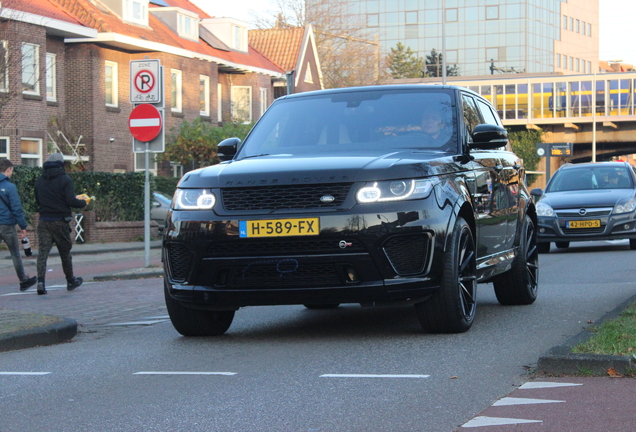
595 177
362 120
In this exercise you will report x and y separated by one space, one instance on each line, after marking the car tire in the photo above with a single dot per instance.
196 322
543 247
520 284
322 306
452 308
562 245
632 244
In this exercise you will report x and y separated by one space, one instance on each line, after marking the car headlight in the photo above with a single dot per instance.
625 205
194 199
544 209
394 190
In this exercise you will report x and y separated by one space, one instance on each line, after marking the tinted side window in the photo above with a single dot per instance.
471 114
486 112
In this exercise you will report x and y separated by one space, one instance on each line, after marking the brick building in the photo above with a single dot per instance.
67 75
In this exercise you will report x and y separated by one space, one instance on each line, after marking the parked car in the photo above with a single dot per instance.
588 201
355 195
159 208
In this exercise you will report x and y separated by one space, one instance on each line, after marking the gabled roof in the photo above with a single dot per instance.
157 36
281 45
42 8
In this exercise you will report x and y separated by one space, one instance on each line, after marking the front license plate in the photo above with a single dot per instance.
583 224
279 227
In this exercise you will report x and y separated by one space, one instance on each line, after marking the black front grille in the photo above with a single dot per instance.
283 246
282 274
179 262
589 212
284 197
408 254
578 231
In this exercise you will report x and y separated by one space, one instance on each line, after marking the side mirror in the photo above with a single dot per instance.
488 136
156 204
536 192
227 148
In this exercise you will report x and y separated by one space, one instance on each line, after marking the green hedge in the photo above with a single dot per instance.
167 185
118 197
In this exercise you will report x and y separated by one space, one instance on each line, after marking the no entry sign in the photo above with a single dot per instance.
145 122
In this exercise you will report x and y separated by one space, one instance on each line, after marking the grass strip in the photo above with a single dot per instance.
614 337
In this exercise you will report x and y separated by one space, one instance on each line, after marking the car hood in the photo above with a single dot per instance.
586 198
351 167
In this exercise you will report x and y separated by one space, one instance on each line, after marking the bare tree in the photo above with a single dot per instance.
348 55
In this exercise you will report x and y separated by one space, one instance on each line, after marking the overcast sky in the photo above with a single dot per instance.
616 22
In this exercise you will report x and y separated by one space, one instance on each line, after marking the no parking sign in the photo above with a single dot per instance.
145 82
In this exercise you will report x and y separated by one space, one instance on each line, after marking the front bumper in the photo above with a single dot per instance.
356 258
612 227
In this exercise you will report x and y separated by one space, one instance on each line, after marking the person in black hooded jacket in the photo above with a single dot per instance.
55 195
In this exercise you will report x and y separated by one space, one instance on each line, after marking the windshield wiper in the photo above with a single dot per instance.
253 156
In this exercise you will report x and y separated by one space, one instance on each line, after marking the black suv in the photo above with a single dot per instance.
371 195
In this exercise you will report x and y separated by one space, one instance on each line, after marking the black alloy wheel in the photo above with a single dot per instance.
519 285
452 308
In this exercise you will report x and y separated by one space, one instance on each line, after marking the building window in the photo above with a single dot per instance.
30 68
589 29
565 22
31 152
577 63
204 95
264 100
451 15
571 63
571 24
589 67
187 27
492 12
373 20
558 60
219 102
242 104
4 147
309 78
239 38
136 11
4 67
110 83
51 77
577 26
583 27
175 90
140 162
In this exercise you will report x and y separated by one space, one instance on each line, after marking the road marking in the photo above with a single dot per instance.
523 401
130 323
371 376
545 384
185 373
496 421
24 373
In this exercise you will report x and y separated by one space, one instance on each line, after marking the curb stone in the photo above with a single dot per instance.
58 331
560 360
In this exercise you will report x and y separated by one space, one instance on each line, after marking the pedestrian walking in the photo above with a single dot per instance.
11 214
55 195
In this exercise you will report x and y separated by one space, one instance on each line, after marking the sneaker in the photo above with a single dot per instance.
41 289
28 283
72 284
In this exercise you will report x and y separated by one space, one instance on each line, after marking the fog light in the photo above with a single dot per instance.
542 230
626 226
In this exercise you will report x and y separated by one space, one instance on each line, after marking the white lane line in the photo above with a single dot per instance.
24 373
523 401
130 323
371 376
545 384
186 373
496 421
163 317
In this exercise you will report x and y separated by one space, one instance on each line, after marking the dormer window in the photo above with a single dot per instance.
230 31
187 27
136 11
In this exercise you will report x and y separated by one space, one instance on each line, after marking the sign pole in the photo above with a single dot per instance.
147 210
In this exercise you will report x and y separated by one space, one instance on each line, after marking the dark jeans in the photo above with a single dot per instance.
57 232
10 237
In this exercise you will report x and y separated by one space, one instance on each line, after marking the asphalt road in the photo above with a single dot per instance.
292 369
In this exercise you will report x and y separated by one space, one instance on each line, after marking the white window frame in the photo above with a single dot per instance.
51 77
204 95
4 75
190 30
128 11
140 162
264 101
219 102
7 153
176 90
235 113
114 83
35 77
36 156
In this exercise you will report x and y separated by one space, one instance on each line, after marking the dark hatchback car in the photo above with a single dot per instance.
373 195
588 201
